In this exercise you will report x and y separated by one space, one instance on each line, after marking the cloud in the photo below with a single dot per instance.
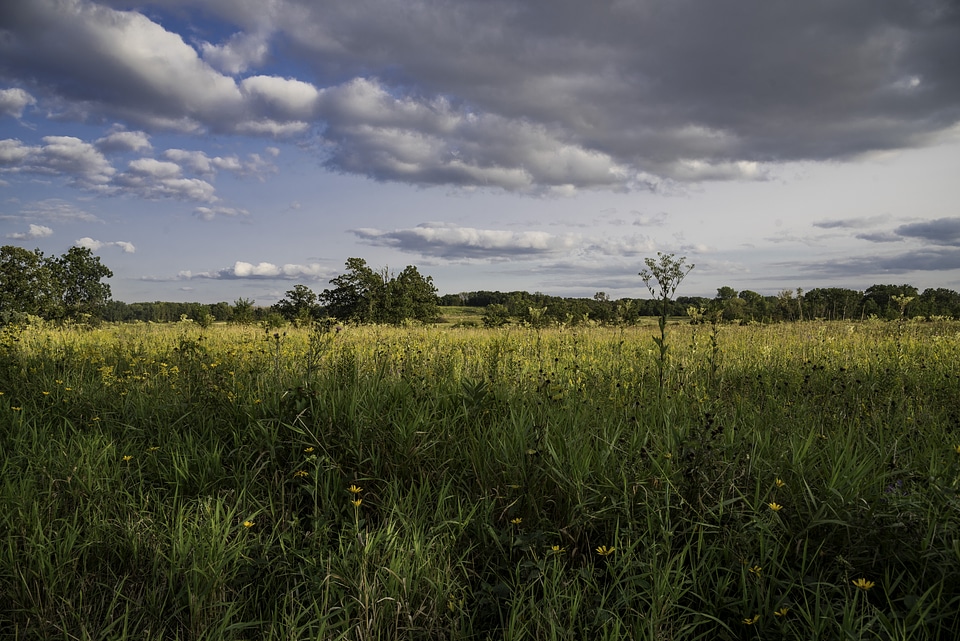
526 97
14 101
36 231
120 140
157 179
200 163
262 271
97 245
84 165
237 54
125 65
880 237
209 213
285 98
55 209
942 231
13 152
454 242
852 223
920 260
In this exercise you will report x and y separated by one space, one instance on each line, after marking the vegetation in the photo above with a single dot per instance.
796 481
52 288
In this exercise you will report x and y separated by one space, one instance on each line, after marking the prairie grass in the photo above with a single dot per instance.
171 482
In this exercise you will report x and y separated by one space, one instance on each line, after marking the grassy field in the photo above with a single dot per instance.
787 482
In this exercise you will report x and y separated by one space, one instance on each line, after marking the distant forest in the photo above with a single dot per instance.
878 301
71 287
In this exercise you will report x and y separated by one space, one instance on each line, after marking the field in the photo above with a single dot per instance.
795 481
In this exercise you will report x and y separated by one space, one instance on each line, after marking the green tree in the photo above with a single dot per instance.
357 294
79 273
495 315
243 311
879 299
27 284
300 305
410 295
221 311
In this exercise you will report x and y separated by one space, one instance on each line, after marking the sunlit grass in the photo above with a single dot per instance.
168 482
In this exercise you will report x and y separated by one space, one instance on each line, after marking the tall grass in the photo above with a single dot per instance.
170 482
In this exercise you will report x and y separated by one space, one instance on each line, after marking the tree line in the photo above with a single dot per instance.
70 287
833 303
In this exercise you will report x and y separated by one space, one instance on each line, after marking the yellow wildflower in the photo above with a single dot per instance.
353 489
356 502
517 521
301 473
863 584
557 549
308 449
776 507
752 620
756 570
603 550
779 483
248 524
128 457
782 612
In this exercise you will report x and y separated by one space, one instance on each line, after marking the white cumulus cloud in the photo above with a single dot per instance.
97 245
14 101
35 231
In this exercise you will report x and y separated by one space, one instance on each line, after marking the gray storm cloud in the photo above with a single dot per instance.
531 97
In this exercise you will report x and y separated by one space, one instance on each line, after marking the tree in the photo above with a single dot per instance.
300 305
27 284
363 295
79 273
357 295
410 295
878 299
243 311
939 302
495 315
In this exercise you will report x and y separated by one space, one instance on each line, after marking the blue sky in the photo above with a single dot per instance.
215 149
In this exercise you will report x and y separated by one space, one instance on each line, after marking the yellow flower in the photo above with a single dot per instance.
863 584
45 393
756 570
782 612
517 521
153 449
128 458
301 473
779 483
353 489
957 449
308 449
603 550
776 507
248 524
752 620
556 549
356 502
15 409
668 455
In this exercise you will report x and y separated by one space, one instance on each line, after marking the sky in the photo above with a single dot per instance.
211 150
